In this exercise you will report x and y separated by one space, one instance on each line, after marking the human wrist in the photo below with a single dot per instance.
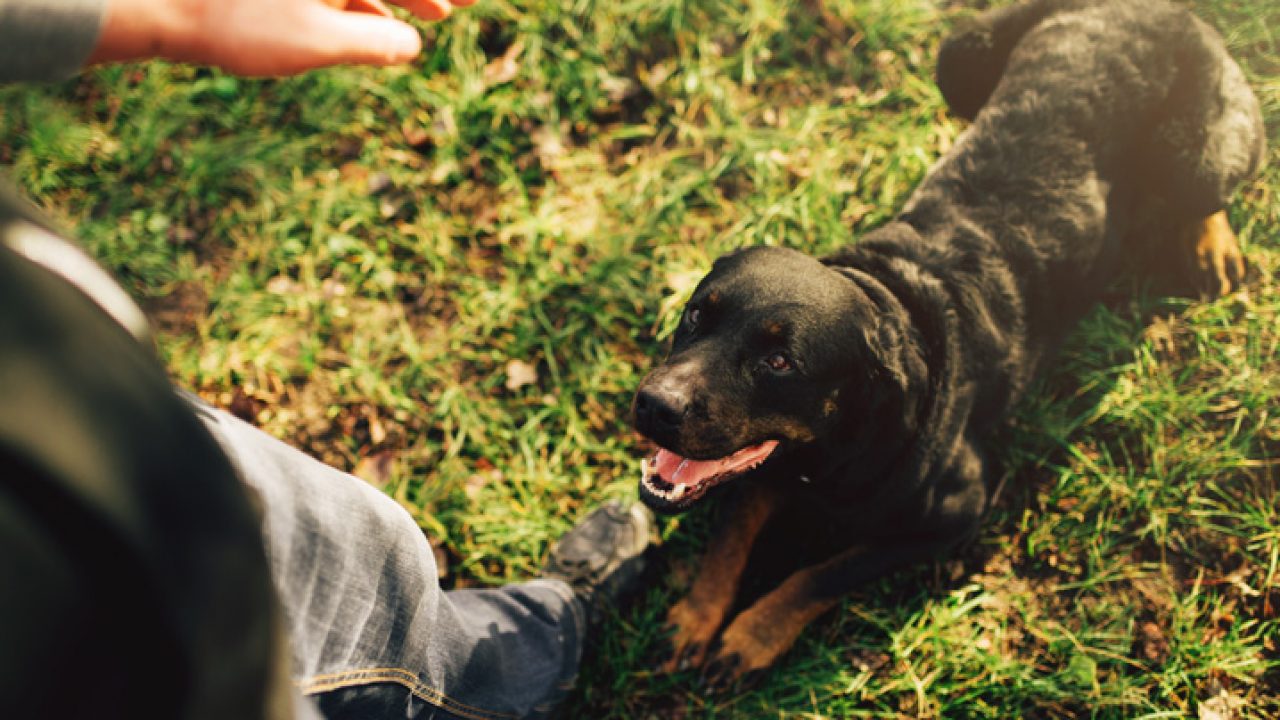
141 29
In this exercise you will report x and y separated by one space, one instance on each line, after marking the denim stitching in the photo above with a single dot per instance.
406 679
337 681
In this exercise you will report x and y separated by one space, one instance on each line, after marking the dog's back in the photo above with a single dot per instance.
1147 85
871 383
1088 118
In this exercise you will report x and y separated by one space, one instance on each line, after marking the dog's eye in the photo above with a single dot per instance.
779 363
692 317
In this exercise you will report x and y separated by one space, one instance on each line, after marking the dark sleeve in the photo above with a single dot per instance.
133 578
47 40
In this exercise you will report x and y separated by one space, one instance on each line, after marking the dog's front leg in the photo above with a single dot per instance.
695 620
766 630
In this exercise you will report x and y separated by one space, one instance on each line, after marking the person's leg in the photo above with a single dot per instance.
372 631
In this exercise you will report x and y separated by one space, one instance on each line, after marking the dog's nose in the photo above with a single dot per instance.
660 408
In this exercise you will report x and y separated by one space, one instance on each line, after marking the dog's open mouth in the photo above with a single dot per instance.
671 483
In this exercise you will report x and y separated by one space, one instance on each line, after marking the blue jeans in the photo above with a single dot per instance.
372 633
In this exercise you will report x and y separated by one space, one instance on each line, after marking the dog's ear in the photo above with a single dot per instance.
882 328
886 342
730 257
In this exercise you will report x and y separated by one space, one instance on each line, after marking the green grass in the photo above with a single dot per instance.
557 215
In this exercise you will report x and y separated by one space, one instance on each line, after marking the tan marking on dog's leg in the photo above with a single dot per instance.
1218 263
765 631
697 618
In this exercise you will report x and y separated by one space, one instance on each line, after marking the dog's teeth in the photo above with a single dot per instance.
678 492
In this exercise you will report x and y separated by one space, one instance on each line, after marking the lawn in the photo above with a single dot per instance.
449 278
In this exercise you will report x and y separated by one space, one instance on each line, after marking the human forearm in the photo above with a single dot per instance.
250 37
51 39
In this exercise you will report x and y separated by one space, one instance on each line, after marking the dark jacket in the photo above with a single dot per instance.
133 580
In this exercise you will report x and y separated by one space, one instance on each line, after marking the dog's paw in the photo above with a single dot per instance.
692 629
740 658
1218 267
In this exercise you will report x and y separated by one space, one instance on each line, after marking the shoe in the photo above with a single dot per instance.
602 558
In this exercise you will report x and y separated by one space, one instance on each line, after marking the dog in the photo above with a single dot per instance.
844 402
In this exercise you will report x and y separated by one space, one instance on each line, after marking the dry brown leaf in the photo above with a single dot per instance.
520 374
283 285
1162 334
1152 643
377 469
332 289
1220 705
417 137
377 432
442 561
617 88
504 69
548 146
378 183
479 480
353 171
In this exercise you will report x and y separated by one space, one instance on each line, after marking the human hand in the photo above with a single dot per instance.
264 37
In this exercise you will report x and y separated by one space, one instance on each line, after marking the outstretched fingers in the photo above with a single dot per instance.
338 37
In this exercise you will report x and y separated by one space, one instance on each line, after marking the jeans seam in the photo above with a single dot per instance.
405 678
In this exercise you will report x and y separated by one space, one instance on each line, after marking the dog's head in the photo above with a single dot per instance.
775 351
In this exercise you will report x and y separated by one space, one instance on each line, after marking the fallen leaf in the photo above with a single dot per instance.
1152 644
283 285
376 469
378 183
617 88
353 171
348 148
442 559
519 374
653 77
868 661
848 92
244 406
548 146
504 69
1220 705
1161 334
480 480
331 289
441 172
397 206
377 433
417 137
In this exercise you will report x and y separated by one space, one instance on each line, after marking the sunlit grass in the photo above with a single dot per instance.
355 258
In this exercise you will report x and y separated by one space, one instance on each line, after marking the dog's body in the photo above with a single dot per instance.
863 385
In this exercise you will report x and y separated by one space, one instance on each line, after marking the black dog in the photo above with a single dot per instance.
848 399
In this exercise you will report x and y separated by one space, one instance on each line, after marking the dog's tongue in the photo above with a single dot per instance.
683 471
